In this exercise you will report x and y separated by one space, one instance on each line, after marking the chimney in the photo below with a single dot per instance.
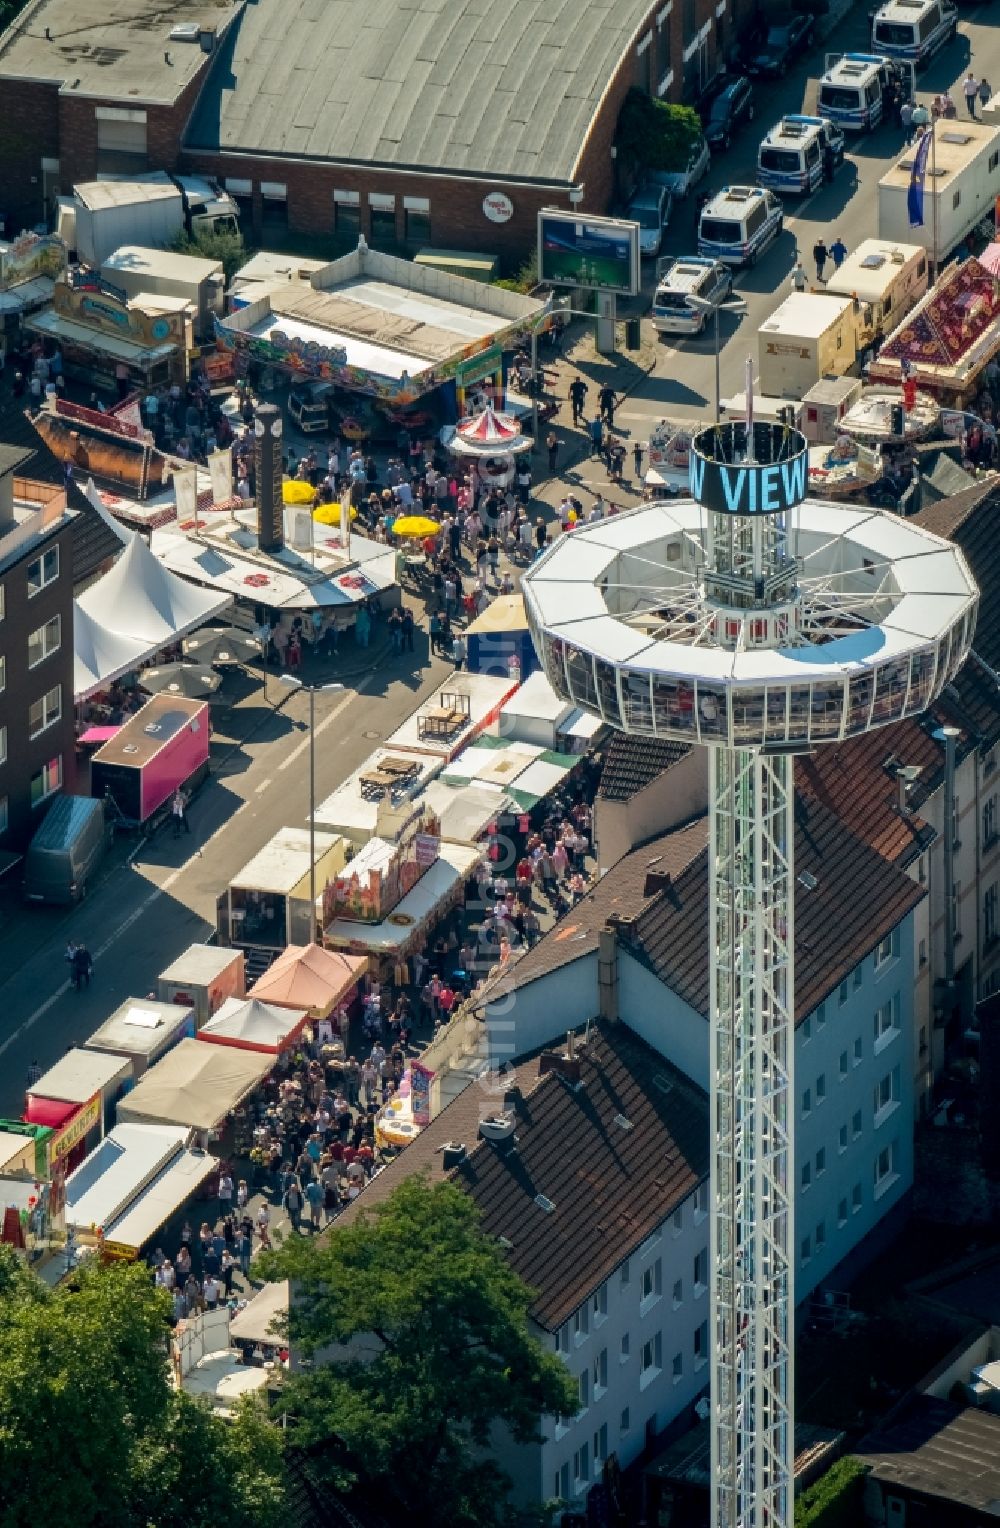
452 1153
906 776
568 1067
498 1130
607 971
267 460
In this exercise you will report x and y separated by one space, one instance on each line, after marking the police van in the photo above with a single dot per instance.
913 29
853 89
689 275
738 224
798 154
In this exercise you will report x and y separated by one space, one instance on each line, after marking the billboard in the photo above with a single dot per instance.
581 251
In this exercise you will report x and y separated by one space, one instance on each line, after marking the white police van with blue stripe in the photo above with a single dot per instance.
852 93
798 154
739 223
913 29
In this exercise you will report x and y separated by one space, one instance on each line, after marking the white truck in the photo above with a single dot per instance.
809 336
154 273
886 279
150 211
960 187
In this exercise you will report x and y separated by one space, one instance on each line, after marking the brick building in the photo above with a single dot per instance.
440 122
37 739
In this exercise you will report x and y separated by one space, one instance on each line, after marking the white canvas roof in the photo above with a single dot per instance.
108 1180
253 1024
99 655
195 1084
79 1075
141 599
465 811
253 1324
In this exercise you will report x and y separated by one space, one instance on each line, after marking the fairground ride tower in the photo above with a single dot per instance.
761 624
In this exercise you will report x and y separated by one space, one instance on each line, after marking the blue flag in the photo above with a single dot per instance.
915 195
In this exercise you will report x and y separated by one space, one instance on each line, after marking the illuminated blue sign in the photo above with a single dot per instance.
775 480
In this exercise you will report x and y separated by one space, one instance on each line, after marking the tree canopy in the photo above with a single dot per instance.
433 1347
228 248
655 134
92 1432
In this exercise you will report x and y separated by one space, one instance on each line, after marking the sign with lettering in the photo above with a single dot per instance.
775 481
85 1120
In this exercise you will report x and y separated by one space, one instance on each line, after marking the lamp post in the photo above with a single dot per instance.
707 305
300 684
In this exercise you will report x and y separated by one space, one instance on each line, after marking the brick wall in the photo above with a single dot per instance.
29 133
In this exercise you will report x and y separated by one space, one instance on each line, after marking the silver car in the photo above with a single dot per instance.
651 210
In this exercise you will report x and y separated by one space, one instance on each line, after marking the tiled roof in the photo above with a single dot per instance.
941 1452
93 541
857 780
609 1184
632 763
857 899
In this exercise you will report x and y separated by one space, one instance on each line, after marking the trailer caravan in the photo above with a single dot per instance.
809 336
960 188
886 279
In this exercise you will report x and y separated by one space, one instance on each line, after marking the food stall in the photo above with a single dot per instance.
266 905
311 977
80 1076
499 642
945 343
196 1085
387 777
126 1190
165 745
97 329
63 1133
250 1024
202 978
668 454
462 707
536 714
488 442
142 1030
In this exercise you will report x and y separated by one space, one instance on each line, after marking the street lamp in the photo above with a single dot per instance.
706 305
300 684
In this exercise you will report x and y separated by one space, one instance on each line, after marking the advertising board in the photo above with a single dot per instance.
581 251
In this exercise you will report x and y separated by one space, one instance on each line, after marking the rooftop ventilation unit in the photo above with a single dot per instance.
544 1204
185 31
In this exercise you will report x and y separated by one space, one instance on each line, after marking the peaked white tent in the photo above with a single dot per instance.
99 655
139 598
252 1025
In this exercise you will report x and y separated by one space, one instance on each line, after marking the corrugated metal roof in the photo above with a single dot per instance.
441 85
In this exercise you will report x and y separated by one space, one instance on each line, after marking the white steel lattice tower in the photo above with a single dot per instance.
760 624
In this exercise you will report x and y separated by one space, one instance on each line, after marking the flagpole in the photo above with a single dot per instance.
934 201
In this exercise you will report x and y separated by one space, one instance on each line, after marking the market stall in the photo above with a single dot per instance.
202 978
129 1187
536 714
311 977
387 777
946 342
97 329
164 746
499 642
466 813
462 707
142 1030
668 452
196 1085
266 905
76 1079
526 771
252 1328
250 1024
490 443
140 599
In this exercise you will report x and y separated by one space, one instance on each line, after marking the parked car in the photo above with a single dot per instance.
679 182
723 115
650 208
309 406
785 40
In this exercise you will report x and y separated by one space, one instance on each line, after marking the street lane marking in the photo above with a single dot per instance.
328 720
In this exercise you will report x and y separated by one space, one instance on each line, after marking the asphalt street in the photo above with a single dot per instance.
157 897
682 384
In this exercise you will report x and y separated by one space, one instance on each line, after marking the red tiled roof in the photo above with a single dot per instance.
609 1184
857 780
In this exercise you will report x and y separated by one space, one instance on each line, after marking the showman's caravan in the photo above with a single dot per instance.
961 184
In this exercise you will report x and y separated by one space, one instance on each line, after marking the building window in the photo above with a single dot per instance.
600 1304
677 1221
884 1169
3 814
581 1324
842 994
806 1031
856 1125
581 1469
842 1139
624 1421
886 1026
599 1374
650 1360
47 781
821 1016
274 206
347 213
626 1272
121 141
821 1162
382 210
3 745
678 1293
886 950
3 674
859 1049
859 975
600 1447
806 1101
652 1285
700 1203
43 571
956 899
820 1237
677 1367
989 820
843 1065
3 601
701 1272
564 1337
416 219
855 1198
241 192
45 712
885 1096
625 1349
44 640
820 1088
584 1390
805 1175
701 1346
842 1213
805 1250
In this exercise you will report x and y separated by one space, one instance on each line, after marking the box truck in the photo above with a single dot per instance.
143 272
887 279
151 210
809 336
960 187
163 746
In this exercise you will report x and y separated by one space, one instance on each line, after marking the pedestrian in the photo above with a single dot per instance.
906 119
407 629
244 1247
552 446
435 630
799 278
264 1224
242 1194
985 91
83 967
458 649
820 254
970 89
229 1266
210 1291
225 1191
178 812
577 395
316 1195
838 252
637 451
607 400
596 433
293 1202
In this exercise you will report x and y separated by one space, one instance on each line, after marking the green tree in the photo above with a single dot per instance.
228 248
89 1422
444 1351
655 135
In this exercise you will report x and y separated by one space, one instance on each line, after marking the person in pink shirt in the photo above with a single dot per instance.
446 1000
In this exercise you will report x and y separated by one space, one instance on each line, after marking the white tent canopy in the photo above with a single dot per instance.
247 1022
99 655
139 598
195 1084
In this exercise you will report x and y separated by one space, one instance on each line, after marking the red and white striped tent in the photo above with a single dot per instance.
489 434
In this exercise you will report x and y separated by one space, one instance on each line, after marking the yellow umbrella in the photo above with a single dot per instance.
293 491
415 525
329 514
